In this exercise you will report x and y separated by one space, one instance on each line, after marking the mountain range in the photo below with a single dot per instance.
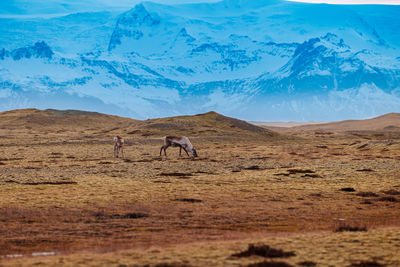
265 60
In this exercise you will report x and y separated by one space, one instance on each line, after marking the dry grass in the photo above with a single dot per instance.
324 249
65 193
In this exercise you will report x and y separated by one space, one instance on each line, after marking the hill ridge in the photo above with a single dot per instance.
383 122
87 122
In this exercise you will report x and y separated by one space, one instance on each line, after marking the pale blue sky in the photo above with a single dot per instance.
32 8
386 2
393 2
130 2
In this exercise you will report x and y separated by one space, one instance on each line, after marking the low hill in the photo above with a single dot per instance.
51 120
387 122
33 121
207 124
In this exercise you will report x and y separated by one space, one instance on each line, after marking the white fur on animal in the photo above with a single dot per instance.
118 146
181 142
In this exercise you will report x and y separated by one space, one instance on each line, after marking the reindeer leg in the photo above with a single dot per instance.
165 150
186 152
180 151
115 152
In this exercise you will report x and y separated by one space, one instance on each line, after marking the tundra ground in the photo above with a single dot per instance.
331 199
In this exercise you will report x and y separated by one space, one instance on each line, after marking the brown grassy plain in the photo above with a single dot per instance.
62 191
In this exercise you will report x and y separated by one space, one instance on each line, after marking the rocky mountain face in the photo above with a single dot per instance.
258 60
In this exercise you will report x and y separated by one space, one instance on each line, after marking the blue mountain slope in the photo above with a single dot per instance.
259 60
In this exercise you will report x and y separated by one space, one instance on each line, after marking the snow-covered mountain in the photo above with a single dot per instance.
258 60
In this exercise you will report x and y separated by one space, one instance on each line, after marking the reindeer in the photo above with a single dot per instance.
182 142
118 146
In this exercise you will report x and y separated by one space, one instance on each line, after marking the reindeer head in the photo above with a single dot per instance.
194 152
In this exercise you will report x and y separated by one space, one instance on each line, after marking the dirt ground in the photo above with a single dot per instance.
332 199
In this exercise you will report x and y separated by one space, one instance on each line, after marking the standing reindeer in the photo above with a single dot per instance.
118 146
181 142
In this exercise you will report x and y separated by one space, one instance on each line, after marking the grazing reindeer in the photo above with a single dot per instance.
182 142
118 146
